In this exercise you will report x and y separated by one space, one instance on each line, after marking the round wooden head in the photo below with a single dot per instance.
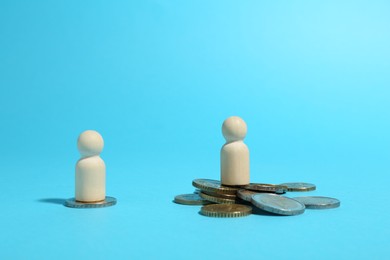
234 129
90 143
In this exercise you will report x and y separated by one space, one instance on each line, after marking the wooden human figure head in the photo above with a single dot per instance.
234 154
90 143
234 129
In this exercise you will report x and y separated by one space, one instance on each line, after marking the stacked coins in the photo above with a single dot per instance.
213 191
218 200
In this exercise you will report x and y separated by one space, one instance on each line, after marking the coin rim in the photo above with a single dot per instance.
247 210
222 189
271 188
217 200
190 202
219 195
302 189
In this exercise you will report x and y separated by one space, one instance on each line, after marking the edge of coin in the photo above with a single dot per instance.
189 202
220 195
222 190
217 199
301 189
266 188
206 213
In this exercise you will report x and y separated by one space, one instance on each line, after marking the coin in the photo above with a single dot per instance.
226 210
317 202
213 186
246 194
218 200
299 186
220 195
262 187
73 203
190 199
277 204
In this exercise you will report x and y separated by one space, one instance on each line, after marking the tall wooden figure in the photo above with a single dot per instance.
90 179
90 169
234 154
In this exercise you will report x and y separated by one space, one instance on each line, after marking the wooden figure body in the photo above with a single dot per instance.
90 169
235 153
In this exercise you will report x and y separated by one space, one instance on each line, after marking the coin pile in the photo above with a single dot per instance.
223 201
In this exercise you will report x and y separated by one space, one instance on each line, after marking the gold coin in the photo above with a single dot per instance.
226 210
220 195
218 200
190 199
213 186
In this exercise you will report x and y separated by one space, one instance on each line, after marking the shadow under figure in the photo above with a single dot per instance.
53 201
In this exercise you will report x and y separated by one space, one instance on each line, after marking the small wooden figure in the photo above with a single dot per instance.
90 191
234 154
90 169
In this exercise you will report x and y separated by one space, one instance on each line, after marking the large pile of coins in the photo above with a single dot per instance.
218 200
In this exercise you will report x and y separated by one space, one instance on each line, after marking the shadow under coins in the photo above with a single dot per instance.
57 201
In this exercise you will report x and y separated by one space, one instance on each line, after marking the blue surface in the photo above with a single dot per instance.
157 79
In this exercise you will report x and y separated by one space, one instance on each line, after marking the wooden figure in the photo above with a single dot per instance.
234 154
90 169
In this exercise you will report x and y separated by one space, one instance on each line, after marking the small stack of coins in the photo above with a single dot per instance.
232 201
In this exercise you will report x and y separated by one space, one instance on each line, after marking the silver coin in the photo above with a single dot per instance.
317 202
72 203
299 186
278 204
246 194
190 199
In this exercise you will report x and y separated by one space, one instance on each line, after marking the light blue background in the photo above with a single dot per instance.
157 79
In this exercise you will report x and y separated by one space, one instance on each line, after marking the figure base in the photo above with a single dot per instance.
72 203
